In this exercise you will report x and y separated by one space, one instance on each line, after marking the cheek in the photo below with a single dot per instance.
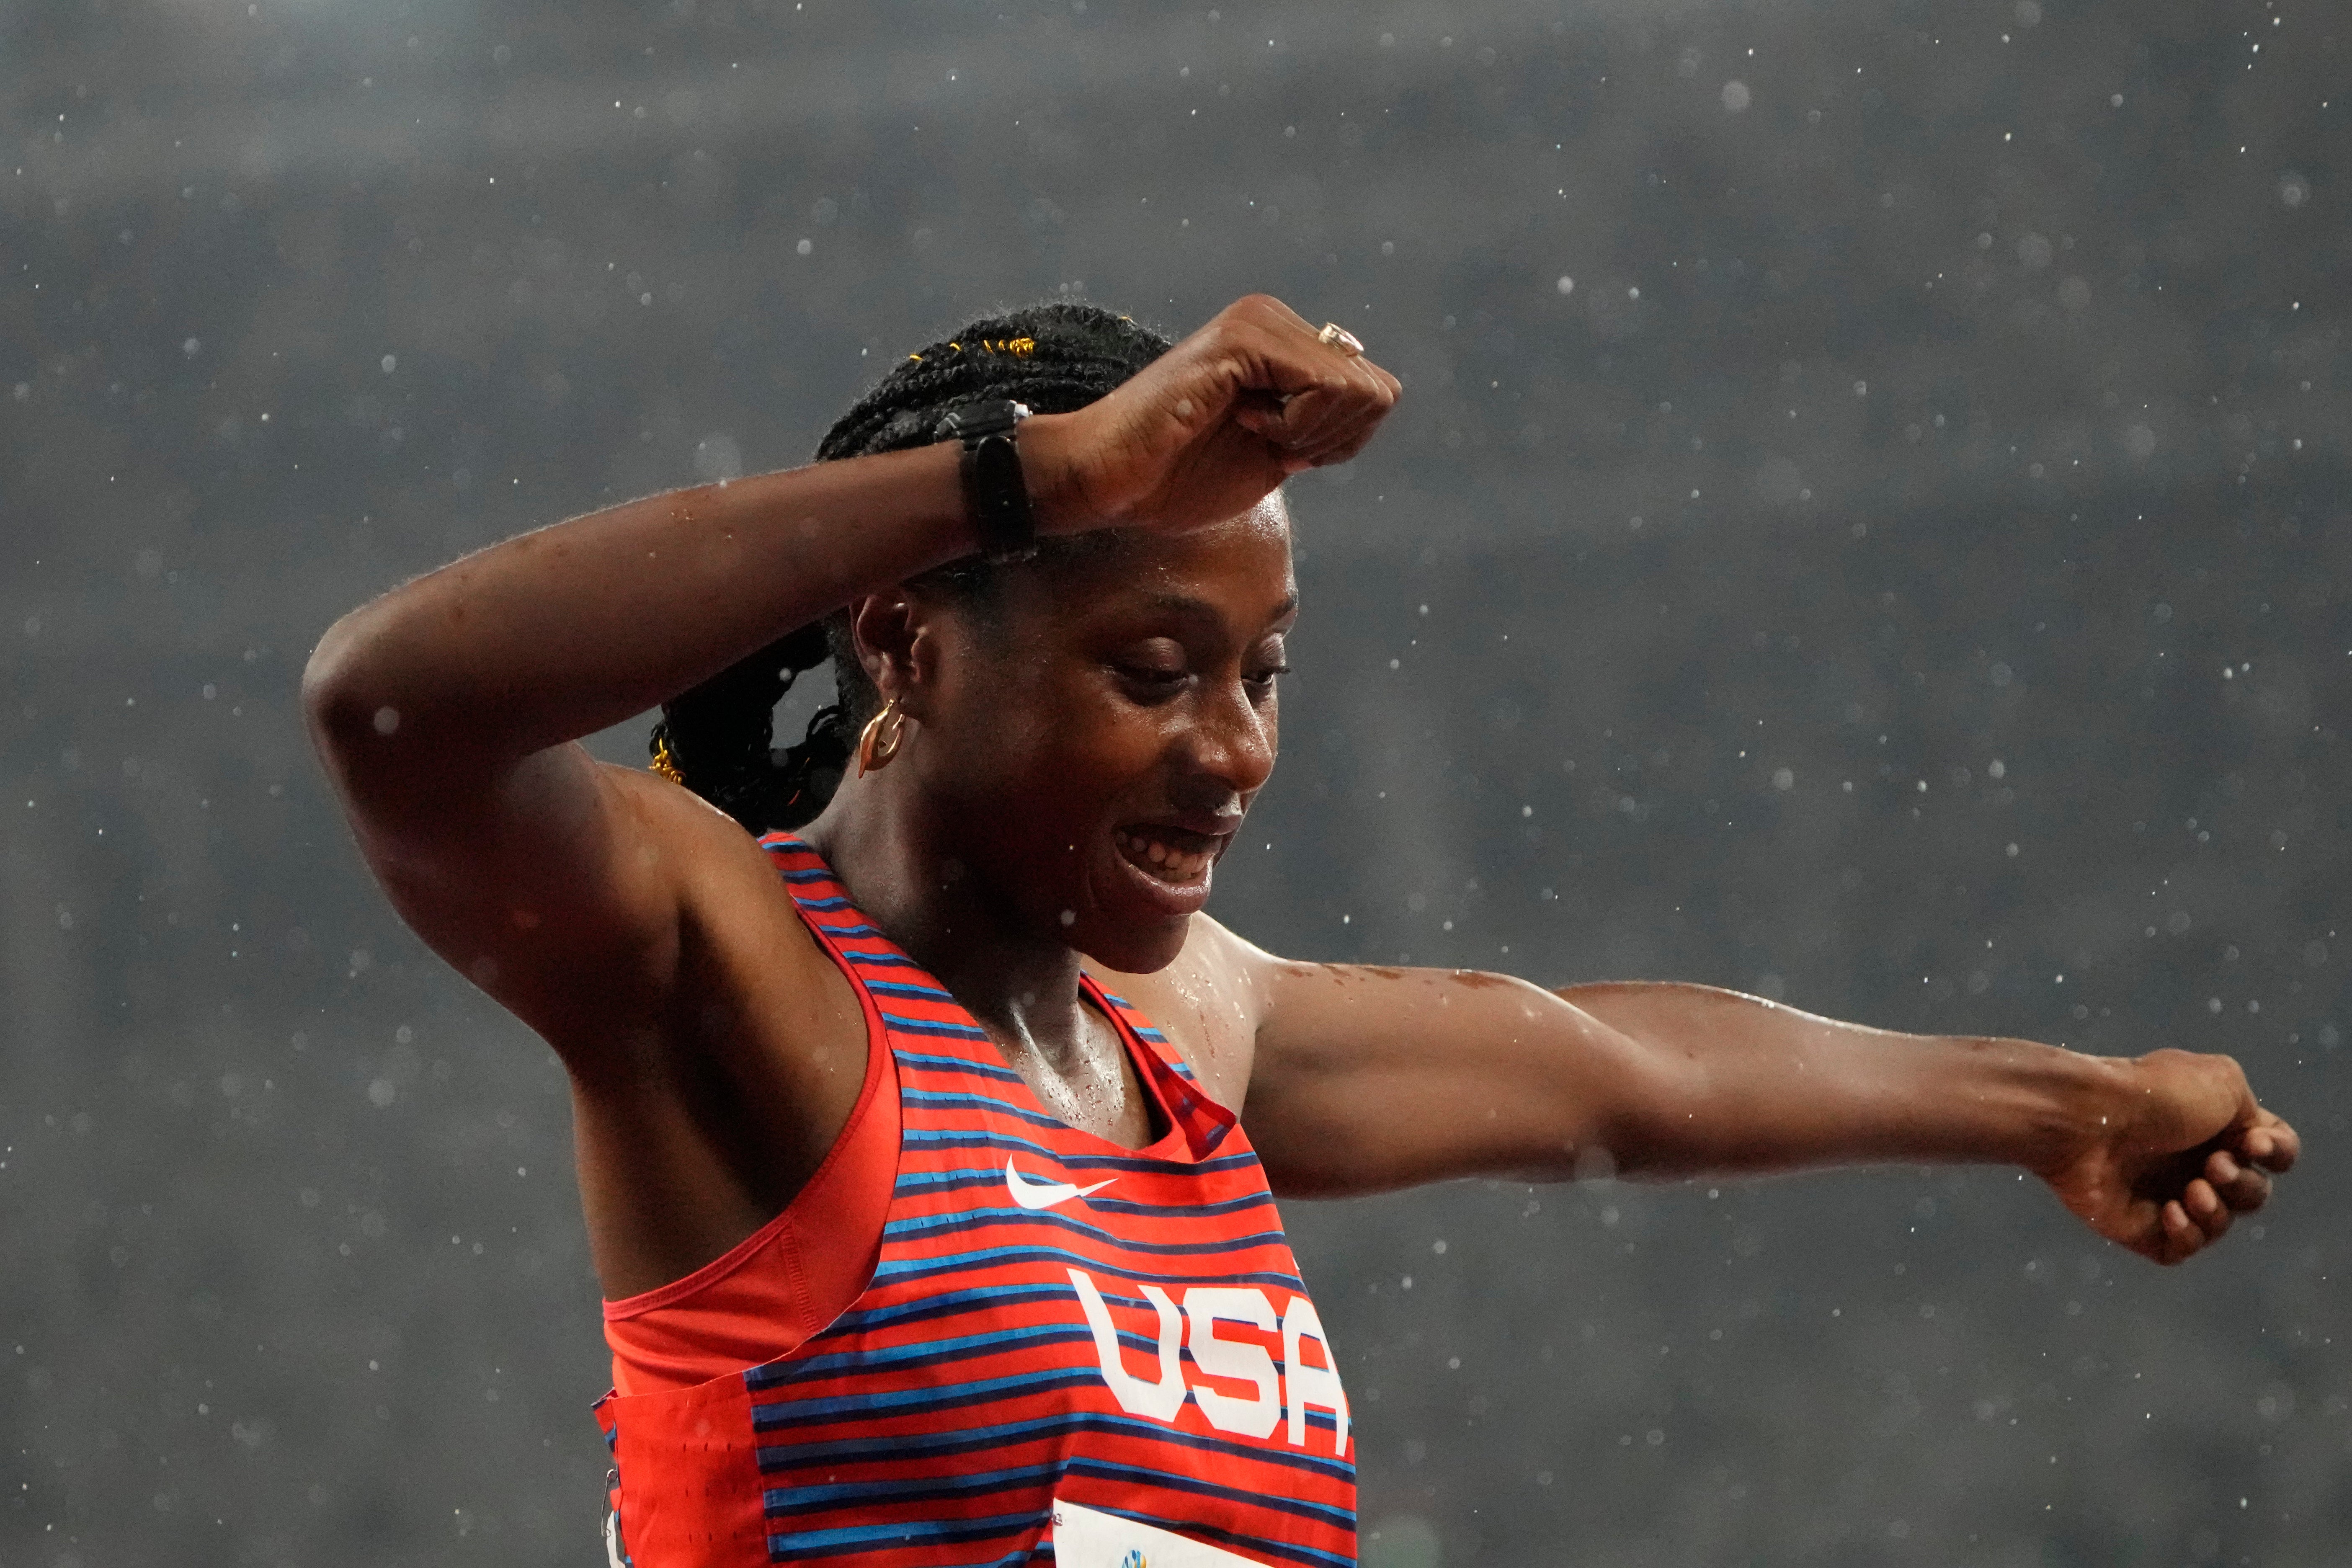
1039 747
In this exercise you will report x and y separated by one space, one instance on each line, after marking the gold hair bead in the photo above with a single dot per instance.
664 763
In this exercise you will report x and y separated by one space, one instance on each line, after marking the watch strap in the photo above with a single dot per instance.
995 494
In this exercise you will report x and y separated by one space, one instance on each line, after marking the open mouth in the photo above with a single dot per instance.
1173 857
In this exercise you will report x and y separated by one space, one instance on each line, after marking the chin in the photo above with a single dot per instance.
1131 950
1136 911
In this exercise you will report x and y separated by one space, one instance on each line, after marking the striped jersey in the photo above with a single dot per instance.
1069 1351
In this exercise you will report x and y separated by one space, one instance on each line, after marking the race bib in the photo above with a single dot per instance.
1088 1538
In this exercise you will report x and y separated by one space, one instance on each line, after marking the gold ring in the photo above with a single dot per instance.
1336 336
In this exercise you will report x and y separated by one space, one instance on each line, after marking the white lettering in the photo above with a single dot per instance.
1300 1385
1310 1385
1236 1359
1160 1401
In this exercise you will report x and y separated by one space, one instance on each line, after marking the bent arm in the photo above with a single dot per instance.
445 714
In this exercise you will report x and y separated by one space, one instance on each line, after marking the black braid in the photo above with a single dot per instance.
1056 358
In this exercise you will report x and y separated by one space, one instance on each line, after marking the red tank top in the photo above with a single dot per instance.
1066 1351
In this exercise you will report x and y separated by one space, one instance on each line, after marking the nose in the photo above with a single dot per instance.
1228 750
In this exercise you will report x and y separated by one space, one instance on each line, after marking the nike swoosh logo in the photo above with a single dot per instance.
1032 1194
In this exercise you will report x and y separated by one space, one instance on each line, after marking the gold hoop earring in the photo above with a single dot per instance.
874 749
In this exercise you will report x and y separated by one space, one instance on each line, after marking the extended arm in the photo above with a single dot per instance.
1369 1078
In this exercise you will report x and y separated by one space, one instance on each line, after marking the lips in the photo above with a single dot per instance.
1177 859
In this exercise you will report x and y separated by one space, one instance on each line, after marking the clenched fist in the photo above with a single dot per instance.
1208 430
2185 1151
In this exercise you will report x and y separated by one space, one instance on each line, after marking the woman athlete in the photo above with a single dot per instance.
926 1126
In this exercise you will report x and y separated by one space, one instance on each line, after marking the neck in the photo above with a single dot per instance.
906 875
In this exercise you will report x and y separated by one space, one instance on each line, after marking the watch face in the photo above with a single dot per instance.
977 421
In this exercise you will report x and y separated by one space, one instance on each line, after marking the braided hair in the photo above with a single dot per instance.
716 739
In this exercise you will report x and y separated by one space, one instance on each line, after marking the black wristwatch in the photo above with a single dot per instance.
995 493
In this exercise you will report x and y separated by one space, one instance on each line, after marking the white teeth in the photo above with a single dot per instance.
1166 863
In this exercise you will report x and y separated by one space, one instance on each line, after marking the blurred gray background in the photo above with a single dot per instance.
1868 525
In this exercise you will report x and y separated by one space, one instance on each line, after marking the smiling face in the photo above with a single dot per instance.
1092 733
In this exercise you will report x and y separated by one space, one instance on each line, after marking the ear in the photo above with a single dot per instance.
896 645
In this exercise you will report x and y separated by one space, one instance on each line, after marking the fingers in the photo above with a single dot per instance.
1326 430
1330 400
2242 1187
2205 1206
2271 1144
2182 1236
1347 418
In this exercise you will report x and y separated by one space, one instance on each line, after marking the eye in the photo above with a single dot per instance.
1271 651
1150 679
1152 668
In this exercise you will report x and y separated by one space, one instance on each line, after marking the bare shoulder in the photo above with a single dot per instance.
699 1117
1209 1003
743 970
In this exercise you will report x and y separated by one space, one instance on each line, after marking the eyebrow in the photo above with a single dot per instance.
1201 609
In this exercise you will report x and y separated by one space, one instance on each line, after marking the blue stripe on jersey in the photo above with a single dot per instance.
934 1099
927 1063
834 1453
1101 1469
988 1256
991 1219
899 1026
942 1183
791 1545
819 1412
936 1353
836 902
946 1304
880 959
783 1503
957 1139
951 1138
897 988
824 1410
